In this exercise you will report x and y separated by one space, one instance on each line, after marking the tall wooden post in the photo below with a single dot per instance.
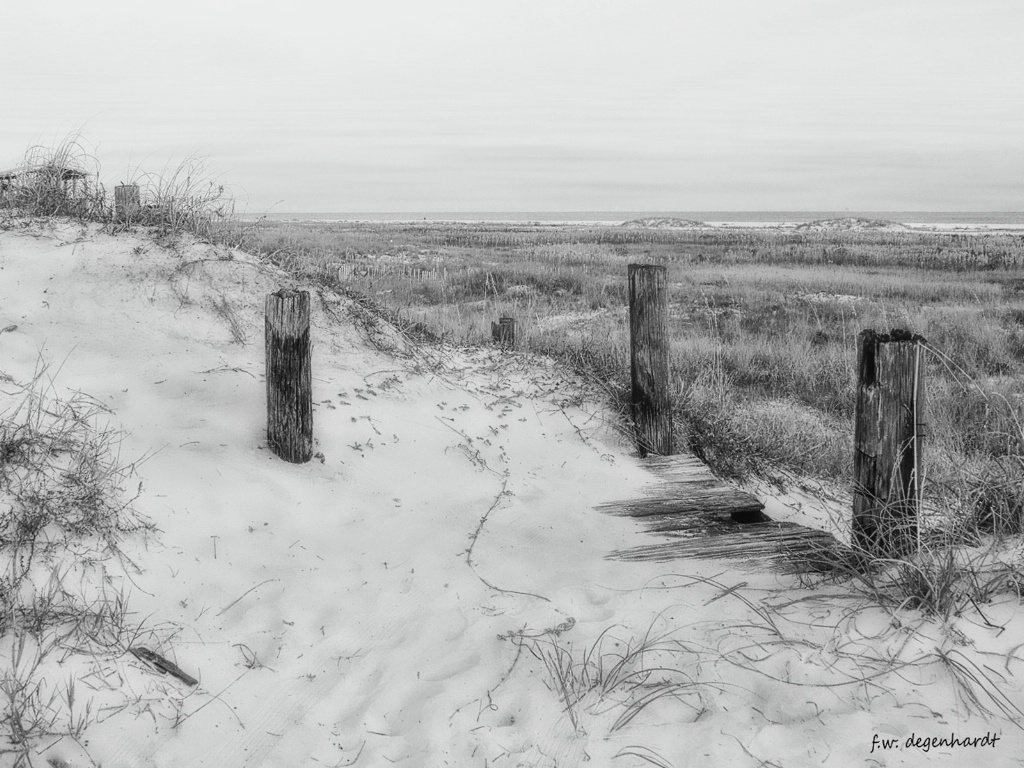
648 335
126 202
504 331
887 443
289 376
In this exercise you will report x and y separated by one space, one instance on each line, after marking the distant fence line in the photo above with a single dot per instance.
349 271
610 235
959 252
958 260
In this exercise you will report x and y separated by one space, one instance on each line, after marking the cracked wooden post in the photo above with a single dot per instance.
126 203
504 331
289 376
887 443
648 340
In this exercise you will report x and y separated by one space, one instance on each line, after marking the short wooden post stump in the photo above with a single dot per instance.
127 204
503 332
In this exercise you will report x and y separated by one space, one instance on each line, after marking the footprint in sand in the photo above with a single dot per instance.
456 625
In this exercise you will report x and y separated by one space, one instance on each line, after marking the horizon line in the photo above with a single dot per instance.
722 210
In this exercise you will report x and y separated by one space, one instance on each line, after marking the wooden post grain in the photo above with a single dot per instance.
887 443
504 331
648 335
289 376
126 202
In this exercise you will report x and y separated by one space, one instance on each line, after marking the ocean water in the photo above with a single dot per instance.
962 218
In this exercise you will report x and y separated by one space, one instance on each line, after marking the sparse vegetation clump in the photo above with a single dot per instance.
851 223
615 679
64 181
663 222
183 199
57 181
65 509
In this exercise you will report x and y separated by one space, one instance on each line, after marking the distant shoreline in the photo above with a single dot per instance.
915 220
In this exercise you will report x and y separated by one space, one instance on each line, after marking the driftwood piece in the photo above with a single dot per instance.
162 665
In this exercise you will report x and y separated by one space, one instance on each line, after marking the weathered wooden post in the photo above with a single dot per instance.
504 331
648 337
887 443
126 202
289 376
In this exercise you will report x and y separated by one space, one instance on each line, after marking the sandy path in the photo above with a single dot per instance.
366 609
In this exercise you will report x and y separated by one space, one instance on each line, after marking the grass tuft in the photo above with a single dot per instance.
57 181
614 677
184 199
63 181
65 510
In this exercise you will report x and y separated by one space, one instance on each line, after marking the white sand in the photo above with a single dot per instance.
392 604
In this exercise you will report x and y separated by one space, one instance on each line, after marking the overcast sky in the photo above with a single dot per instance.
535 105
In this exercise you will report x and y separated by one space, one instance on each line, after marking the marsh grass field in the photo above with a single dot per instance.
763 323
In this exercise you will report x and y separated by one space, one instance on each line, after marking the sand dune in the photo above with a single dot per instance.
409 596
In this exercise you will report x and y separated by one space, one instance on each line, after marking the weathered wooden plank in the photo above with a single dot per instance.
706 503
705 517
681 467
788 547
691 522
685 487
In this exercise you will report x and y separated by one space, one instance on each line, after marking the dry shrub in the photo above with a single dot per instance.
57 181
184 199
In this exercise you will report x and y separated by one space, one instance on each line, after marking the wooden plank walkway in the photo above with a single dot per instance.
705 517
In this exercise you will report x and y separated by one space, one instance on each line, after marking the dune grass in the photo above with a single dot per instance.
183 199
835 647
65 509
63 180
614 679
